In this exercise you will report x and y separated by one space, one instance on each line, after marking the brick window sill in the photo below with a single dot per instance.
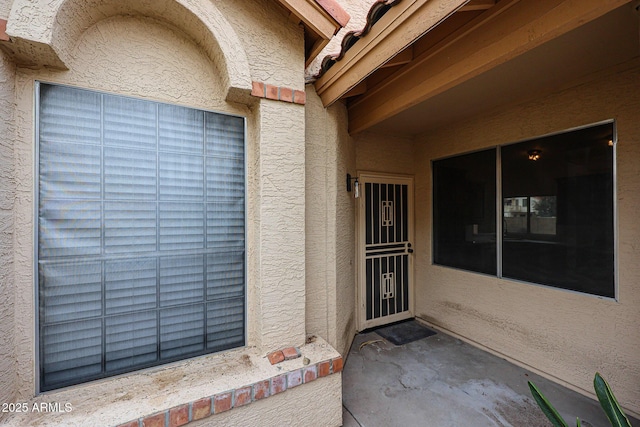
174 395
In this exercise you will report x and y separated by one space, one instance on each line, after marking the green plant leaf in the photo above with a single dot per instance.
578 422
609 403
547 407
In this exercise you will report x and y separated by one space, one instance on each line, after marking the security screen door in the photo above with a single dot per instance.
385 249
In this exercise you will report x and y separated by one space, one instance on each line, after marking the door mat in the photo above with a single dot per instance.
404 332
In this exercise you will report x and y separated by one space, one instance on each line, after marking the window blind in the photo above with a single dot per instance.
141 234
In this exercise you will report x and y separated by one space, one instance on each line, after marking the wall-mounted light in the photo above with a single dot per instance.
534 154
355 186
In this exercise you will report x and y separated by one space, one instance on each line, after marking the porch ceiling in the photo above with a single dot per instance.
478 56
564 61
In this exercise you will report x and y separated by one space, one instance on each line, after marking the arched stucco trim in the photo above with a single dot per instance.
45 32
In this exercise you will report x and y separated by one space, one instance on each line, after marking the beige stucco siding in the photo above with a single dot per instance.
345 233
565 335
281 274
103 60
5 8
7 197
171 60
385 153
318 212
275 51
330 293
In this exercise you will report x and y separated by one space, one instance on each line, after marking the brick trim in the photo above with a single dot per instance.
278 93
221 402
4 37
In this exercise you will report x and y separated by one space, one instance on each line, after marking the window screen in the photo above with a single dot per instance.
141 234
557 219
464 211
562 232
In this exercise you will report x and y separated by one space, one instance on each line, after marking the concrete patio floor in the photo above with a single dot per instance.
441 381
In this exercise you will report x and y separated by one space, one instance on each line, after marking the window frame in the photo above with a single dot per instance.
35 246
433 202
499 210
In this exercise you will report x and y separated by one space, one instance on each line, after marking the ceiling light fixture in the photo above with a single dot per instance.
534 154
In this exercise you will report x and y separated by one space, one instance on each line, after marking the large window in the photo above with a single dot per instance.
464 215
141 234
557 220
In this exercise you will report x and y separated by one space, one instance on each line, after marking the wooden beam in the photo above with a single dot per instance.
317 47
402 58
396 30
504 32
294 18
358 89
315 18
478 5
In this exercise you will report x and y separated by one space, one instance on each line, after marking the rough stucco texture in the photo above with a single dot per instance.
565 335
5 8
275 56
144 64
282 224
149 58
318 246
345 235
106 62
44 32
7 195
384 153
330 275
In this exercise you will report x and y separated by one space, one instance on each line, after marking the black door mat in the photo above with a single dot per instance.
404 332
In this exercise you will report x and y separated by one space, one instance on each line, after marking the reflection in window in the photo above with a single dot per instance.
529 215
465 211
543 215
557 211
558 224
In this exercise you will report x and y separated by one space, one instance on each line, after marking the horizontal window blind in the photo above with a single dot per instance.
141 234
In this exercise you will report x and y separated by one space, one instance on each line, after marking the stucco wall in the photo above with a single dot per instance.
148 57
330 155
5 7
345 233
281 275
318 247
385 153
142 64
565 335
7 196
275 57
